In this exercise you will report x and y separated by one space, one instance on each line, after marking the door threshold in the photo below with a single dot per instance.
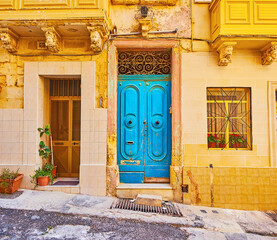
144 186
66 182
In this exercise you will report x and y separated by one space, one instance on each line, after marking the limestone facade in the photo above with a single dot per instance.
206 53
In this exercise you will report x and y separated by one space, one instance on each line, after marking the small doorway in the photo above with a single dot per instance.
65 123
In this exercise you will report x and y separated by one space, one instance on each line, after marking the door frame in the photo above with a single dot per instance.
176 142
272 88
70 100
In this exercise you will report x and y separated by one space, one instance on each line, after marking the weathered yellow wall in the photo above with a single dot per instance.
199 71
11 81
231 187
12 69
164 18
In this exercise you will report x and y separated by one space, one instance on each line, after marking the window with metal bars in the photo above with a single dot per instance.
65 87
229 118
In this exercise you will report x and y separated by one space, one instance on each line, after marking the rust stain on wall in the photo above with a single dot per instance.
195 199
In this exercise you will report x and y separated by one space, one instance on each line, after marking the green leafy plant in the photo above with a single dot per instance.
44 150
7 174
41 173
48 167
236 138
222 141
213 138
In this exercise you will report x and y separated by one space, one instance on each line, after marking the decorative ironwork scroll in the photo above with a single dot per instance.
144 63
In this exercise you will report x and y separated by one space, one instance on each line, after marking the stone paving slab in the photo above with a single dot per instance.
254 222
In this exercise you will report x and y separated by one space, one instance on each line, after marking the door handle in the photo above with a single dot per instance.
157 122
130 122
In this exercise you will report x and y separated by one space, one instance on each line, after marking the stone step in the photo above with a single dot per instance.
66 189
132 190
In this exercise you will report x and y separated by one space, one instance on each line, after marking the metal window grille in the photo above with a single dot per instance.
229 118
65 87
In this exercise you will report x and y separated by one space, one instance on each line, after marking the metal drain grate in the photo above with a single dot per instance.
167 208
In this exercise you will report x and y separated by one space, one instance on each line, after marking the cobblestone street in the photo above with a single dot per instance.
22 224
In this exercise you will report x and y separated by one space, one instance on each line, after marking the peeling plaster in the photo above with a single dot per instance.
163 19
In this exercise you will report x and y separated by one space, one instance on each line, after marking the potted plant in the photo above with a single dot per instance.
42 177
236 140
44 150
212 140
10 181
222 143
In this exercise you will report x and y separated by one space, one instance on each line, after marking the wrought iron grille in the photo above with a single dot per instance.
65 87
229 118
144 63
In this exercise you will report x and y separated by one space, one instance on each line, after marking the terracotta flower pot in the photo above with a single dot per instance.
43 181
236 145
211 144
10 187
54 172
222 145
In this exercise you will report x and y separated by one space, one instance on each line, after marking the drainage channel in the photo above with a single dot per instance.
167 208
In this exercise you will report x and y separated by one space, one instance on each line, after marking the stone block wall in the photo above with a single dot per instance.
231 187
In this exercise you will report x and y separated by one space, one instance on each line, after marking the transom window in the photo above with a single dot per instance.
144 62
229 118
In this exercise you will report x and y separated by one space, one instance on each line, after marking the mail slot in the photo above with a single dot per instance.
59 143
130 142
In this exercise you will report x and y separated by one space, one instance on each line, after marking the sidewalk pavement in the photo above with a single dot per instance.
199 222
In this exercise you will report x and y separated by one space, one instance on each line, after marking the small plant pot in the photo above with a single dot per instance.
54 172
43 181
222 145
211 144
9 187
236 145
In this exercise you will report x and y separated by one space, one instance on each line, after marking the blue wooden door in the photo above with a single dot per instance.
144 127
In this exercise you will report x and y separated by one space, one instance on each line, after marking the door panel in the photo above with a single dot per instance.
60 154
76 120
60 116
65 127
144 129
75 160
157 158
130 154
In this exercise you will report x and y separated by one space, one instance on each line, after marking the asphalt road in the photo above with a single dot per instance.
22 224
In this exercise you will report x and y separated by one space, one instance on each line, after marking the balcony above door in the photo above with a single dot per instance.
244 17
244 24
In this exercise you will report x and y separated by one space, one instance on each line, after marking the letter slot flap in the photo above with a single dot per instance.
130 142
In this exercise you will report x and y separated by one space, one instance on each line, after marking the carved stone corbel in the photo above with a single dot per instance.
225 51
8 39
96 39
269 53
146 25
98 34
53 39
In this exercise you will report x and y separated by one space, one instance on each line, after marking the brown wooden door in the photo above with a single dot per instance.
65 128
